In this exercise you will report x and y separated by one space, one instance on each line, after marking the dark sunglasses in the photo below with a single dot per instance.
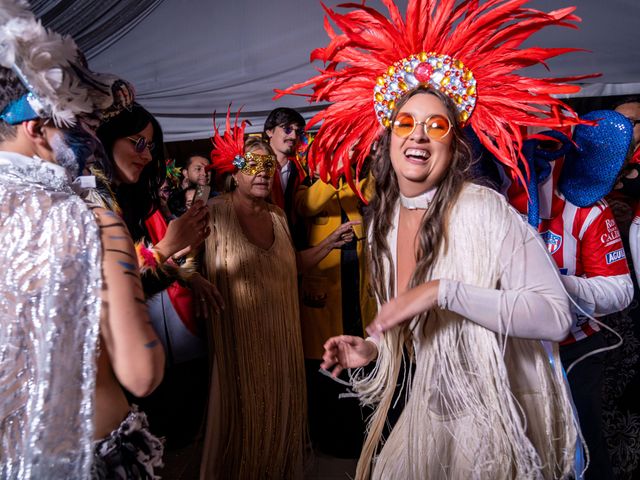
436 127
288 129
140 143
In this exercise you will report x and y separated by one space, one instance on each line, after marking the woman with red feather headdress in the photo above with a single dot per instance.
257 406
465 286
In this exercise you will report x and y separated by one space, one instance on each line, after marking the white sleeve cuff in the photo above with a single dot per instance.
446 293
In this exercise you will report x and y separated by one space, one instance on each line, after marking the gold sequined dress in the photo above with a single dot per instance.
256 421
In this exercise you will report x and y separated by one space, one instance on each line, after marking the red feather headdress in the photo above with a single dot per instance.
227 153
470 52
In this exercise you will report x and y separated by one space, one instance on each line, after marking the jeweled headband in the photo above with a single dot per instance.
440 72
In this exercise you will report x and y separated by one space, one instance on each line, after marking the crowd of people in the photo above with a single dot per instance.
413 280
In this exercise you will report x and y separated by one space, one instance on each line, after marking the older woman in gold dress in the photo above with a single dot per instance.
256 425
257 406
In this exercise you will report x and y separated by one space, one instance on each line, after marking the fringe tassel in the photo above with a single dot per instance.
470 414
258 350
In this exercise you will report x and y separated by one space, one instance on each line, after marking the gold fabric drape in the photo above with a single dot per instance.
256 422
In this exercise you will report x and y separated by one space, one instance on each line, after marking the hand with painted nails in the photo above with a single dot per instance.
345 351
404 307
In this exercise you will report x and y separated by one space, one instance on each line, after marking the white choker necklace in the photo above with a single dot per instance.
420 202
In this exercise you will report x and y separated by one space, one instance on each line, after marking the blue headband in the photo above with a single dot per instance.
19 111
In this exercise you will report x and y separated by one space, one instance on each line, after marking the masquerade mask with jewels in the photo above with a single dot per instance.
60 86
254 163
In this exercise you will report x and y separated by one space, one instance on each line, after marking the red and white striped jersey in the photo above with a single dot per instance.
583 242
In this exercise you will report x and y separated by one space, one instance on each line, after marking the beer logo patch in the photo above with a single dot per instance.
615 256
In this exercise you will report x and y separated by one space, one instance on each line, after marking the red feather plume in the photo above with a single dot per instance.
228 146
485 37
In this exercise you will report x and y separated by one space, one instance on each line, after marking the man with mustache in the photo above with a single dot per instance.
283 130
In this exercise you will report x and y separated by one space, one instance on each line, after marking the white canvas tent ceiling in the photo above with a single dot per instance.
188 58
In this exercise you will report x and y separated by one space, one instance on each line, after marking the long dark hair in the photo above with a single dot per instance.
431 235
139 200
433 230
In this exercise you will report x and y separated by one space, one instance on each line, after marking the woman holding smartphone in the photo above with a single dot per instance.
128 183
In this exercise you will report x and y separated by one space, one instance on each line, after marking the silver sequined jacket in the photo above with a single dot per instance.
50 284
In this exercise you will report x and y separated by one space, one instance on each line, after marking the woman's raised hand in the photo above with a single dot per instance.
346 351
404 307
186 232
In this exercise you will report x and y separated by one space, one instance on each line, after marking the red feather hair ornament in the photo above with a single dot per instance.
228 146
483 39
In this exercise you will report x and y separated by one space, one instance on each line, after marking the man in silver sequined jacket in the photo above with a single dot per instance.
71 327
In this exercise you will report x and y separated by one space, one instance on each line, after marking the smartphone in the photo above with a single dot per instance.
202 193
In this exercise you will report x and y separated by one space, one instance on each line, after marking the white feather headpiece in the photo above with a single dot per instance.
52 68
